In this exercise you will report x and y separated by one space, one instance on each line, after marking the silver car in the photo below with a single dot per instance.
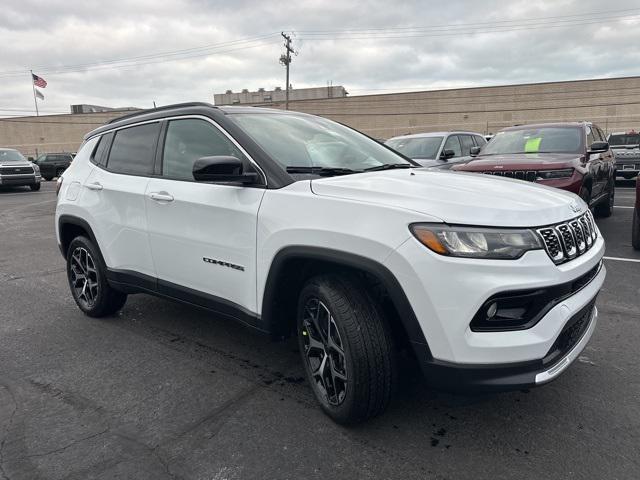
437 149
626 150
15 170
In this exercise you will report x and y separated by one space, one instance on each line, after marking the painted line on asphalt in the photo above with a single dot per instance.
620 206
618 259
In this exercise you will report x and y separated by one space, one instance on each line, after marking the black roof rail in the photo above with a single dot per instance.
159 109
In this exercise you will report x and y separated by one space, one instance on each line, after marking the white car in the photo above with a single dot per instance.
438 149
295 225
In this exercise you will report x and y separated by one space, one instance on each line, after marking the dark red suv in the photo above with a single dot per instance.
571 156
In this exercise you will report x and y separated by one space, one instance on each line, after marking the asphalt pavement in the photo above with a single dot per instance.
166 391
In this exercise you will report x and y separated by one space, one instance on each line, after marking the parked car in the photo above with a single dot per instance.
635 232
296 225
16 170
437 149
571 156
53 164
626 150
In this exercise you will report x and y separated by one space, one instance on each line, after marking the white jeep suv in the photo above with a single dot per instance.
294 224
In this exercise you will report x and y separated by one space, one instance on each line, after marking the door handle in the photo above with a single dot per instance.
94 186
161 197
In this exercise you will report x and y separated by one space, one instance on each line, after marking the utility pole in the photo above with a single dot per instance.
285 59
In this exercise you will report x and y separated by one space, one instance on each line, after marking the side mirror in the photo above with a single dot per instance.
222 169
31 159
598 147
475 151
446 154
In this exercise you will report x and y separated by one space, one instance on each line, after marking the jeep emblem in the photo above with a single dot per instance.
575 208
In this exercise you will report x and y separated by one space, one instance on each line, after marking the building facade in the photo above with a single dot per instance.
262 96
614 104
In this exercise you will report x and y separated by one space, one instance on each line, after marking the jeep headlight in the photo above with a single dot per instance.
554 174
473 242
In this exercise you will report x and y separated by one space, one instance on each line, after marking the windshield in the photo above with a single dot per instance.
624 139
535 140
11 156
417 147
308 141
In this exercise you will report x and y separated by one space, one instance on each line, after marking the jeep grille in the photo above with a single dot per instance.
568 240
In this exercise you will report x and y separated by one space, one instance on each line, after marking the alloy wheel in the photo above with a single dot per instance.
84 277
324 351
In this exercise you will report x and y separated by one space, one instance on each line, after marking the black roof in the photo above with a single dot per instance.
178 109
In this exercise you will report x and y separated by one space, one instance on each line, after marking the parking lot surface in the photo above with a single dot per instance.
163 390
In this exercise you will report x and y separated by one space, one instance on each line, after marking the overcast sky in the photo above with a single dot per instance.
367 46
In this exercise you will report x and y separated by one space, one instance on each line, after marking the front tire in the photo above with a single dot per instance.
635 229
86 273
346 347
35 187
605 209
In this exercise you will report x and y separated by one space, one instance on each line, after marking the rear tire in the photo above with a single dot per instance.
347 348
48 179
86 273
605 208
635 229
35 187
59 172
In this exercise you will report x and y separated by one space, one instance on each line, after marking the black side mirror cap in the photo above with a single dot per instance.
598 147
447 154
222 169
474 151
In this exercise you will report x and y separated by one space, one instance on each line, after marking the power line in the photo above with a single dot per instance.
134 63
586 14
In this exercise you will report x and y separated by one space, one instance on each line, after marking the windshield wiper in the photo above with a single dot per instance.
388 166
322 171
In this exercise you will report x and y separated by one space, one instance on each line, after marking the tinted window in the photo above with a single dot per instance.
624 139
480 141
133 150
100 151
187 141
467 144
417 147
590 136
453 143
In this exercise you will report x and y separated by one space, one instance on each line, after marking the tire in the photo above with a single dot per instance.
48 179
635 229
585 194
59 172
604 209
84 261
337 315
35 187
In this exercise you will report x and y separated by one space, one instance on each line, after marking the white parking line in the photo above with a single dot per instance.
618 259
620 206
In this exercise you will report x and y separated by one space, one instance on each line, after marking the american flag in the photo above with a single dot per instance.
38 81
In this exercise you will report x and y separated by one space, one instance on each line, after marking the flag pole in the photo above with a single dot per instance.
35 100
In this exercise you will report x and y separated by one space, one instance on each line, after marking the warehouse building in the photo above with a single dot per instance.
262 96
612 103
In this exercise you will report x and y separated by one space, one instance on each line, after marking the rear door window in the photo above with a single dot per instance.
133 150
467 144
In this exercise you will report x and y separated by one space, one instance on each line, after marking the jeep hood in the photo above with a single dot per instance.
456 197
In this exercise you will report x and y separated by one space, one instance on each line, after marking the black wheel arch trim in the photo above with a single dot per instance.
399 299
79 222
